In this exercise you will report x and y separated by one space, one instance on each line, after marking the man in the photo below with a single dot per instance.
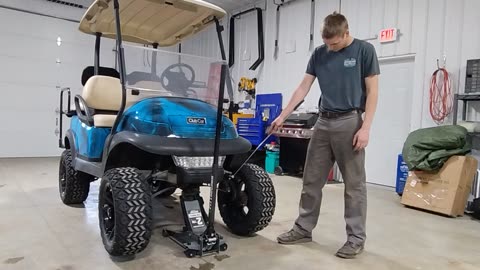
347 71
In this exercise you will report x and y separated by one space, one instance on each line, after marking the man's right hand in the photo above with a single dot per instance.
276 124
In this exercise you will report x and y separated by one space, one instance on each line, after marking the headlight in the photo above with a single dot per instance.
196 162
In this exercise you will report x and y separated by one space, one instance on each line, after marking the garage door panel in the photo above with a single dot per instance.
24 71
34 75
24 135
48 51
27 142
39 27
15 98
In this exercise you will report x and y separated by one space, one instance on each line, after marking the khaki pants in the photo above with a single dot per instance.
332 141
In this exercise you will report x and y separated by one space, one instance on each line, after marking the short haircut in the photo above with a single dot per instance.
334 25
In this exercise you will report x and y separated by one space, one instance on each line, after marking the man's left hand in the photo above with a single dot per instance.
360 140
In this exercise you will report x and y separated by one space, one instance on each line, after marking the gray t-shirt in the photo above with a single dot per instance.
341 75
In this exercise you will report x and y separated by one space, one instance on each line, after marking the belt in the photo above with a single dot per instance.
327 114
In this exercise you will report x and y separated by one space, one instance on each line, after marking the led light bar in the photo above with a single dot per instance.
196 162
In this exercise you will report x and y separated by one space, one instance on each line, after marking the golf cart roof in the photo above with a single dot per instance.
166 22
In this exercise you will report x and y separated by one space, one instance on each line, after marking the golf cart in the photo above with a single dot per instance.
146 133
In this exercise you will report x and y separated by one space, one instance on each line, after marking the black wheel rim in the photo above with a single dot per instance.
108 212
62 179
238 194
156 186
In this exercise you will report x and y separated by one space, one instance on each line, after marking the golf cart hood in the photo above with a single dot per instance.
175 117
164 22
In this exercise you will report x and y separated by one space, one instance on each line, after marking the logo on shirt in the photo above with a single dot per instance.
350 62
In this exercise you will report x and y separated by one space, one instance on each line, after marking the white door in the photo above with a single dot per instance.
391 124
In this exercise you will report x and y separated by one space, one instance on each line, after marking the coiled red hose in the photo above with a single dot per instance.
441 98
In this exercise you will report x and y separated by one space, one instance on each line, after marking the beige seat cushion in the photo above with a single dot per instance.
103 120
103 93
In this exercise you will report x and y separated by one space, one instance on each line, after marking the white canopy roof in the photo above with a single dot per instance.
165 22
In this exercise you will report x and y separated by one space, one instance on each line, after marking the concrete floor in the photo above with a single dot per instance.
38 232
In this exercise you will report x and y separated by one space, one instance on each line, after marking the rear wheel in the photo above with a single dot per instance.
73 185
125 212
247 202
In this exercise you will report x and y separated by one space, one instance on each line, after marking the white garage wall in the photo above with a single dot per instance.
429 29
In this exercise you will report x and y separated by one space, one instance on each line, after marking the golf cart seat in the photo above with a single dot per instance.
102 95
101 98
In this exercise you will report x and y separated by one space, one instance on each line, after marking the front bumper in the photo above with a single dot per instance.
195 176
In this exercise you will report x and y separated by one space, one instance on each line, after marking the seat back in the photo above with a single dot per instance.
105 71
103 93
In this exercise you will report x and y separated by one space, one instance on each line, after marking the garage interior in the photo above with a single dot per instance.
43 52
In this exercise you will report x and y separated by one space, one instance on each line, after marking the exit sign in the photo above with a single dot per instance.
387 35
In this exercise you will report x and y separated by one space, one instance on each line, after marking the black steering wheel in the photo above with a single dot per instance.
174 79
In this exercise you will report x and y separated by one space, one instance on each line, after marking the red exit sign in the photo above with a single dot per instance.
387 35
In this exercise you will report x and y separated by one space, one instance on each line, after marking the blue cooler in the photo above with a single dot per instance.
272 160
402 175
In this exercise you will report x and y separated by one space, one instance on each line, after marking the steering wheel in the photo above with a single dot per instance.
177 81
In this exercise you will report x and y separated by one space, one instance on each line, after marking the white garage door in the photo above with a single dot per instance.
33 65
391 125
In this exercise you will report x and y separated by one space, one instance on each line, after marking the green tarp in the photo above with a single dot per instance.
427 149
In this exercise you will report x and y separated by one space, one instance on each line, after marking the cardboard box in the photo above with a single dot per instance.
445 192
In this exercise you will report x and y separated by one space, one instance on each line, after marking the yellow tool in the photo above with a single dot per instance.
247 85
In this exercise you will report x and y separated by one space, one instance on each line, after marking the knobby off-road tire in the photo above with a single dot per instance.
73 185
125 211
258 196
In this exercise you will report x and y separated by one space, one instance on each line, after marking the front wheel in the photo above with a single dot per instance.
247 202
125 211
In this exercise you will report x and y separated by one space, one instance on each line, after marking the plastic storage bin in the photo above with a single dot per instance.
272 160
402 175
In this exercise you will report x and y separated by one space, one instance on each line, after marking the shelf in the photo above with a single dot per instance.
467 96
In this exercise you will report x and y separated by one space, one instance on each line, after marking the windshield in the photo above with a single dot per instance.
151 72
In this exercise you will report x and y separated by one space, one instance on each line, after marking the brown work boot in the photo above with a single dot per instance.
349 250
292 237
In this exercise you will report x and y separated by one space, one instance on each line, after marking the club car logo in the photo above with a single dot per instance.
196 120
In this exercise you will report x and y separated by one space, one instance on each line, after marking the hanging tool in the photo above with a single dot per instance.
261 42
277 30
260 144
247 85
312 25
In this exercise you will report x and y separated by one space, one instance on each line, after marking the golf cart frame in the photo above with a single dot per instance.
126 190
